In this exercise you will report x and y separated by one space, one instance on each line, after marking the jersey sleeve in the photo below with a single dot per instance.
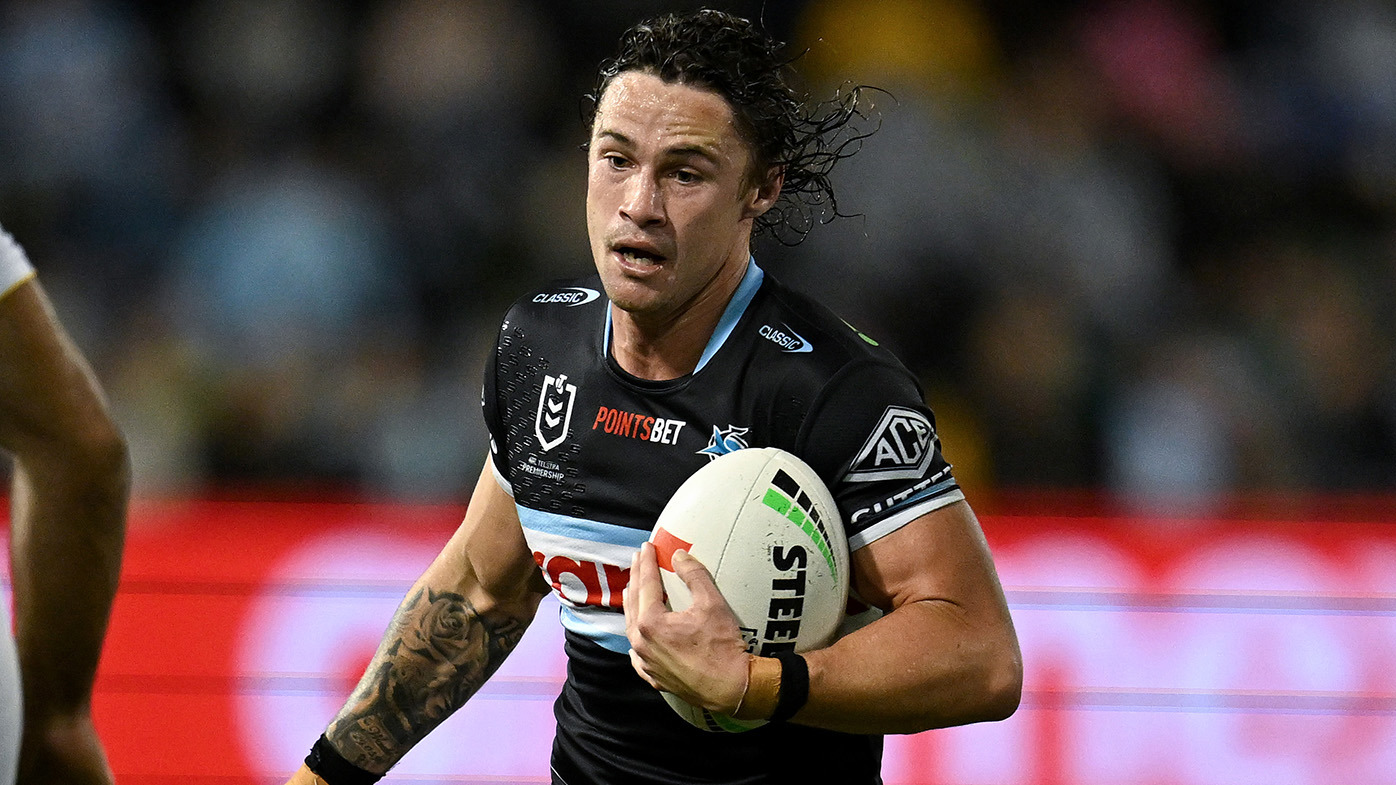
491 408
872 437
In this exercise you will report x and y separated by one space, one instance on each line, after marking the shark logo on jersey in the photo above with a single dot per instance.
571 296
900 448
787 339
725 441
554 411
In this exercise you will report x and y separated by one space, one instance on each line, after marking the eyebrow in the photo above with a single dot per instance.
699 150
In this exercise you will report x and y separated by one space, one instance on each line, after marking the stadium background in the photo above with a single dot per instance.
1141 252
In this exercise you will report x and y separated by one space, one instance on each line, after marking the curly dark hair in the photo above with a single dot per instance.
732 57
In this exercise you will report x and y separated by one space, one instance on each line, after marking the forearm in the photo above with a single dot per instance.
68 513
928 664
437 652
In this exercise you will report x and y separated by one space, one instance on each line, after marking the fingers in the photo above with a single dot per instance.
638 664
644 571
639 599
645 587
698 653
626 604
699 581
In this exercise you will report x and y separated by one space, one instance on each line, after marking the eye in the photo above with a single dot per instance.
615 160
687 176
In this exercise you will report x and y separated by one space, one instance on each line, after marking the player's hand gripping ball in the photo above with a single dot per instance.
766 527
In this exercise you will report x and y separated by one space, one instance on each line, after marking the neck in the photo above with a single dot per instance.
668 346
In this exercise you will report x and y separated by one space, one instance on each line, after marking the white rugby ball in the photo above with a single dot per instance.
767 529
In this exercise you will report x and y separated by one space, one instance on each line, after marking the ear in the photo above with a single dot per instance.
763 195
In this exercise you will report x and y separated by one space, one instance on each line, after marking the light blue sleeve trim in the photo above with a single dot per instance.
908 511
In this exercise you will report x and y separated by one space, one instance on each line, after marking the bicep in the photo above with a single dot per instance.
944 654
941 556
488 560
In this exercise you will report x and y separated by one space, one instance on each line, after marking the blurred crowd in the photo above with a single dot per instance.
1141 245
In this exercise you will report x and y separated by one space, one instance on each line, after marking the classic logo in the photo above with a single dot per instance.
725 441
554 411
900 448
571 296
787 339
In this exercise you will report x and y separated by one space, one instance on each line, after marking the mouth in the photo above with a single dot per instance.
635 256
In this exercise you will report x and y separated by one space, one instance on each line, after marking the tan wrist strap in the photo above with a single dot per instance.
762 689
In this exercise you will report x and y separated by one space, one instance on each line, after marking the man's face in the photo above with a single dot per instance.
669 208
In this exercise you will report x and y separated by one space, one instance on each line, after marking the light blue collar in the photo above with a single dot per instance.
746 290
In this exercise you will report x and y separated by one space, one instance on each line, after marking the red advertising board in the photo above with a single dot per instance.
1227 651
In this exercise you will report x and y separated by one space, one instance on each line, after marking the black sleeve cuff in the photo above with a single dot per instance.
331 767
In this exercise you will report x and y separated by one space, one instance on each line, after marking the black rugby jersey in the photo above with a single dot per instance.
591 455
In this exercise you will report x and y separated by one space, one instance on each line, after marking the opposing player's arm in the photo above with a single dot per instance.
460 619
944 654
68 507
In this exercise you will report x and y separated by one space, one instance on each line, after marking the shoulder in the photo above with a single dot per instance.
562 308
565 298
555 320
826 384
814 346
868 431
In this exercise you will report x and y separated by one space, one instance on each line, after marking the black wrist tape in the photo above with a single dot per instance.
794 685
331 767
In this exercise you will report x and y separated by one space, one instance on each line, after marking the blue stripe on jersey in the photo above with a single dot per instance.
580 528
916 498
942 494
574 621
746 291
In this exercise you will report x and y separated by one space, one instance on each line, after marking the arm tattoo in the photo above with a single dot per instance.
437 652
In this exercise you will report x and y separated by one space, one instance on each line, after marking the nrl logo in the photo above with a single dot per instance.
900 448
725 441
554 411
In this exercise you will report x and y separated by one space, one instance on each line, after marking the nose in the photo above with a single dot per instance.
644 201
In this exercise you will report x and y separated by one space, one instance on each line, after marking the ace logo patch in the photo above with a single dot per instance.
900 448
554 411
